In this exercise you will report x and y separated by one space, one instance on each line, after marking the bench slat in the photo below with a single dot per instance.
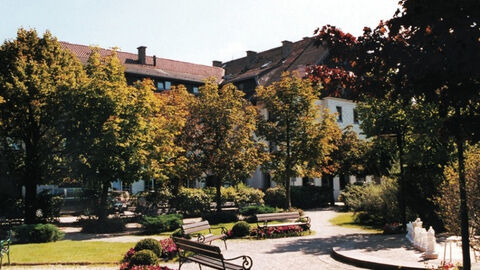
199 248
196 229
277 216
207 261
195 224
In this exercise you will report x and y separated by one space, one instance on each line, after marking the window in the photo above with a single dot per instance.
339 114
195 90
355 116
160 86
168 85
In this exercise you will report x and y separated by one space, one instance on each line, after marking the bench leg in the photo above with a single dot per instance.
225 243
199 265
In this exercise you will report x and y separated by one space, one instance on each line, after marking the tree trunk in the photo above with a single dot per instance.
287 192
330 186
463 205
102 210
218 195
30 201
401 199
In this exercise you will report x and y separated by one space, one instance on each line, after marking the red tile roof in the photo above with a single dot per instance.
267 66
164 68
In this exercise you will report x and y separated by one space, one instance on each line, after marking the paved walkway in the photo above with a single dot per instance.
302 253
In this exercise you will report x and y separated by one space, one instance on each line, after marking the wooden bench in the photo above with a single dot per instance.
208 255
5 248
196 227
265 218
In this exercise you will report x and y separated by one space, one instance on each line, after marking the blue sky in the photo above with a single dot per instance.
197 31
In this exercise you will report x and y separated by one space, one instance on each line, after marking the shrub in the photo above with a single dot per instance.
143 257
240 229
449 199
279 231
252 210
220 217
191 202
162 223
179 233
49 205
150 244
110 225
275 197
307 197
248 195
37 233
169 249
148 203
375 204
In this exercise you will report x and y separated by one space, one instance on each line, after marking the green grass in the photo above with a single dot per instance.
347 220
69 252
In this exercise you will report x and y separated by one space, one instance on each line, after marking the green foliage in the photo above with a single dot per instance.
241 229
307 197
449 200
191 202
149 244
37 233
240 194
248 195
374 204
110 225
179 233
36 75
144 257
50 206
275 197
252 210
302 133
221 130
220 217
164 223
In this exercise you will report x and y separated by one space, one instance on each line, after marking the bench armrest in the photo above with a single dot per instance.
247 261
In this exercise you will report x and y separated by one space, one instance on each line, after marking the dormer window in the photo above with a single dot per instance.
355 116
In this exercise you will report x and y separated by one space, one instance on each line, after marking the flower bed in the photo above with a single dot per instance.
277 232
169 250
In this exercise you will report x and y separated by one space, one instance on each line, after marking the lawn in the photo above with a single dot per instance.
69 252
347 220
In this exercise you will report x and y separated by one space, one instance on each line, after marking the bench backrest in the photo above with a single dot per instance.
277 216
198 248
195 227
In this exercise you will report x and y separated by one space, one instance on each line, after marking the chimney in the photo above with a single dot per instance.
251 56
154 61
142 58
286 48
216 63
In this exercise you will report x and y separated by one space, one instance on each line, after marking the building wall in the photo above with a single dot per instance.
347 108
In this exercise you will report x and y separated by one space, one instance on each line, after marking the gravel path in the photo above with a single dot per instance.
299 253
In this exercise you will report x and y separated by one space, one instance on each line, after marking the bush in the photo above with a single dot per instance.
248 195
162 223
307 197
144 257
375 204
241 229
191 202
110 225
252 210
220 217
275 197
37 233
148 203
149 244
49 205
179 233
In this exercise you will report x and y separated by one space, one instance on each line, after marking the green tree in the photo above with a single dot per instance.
300 134
220 130
35 75
118 132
